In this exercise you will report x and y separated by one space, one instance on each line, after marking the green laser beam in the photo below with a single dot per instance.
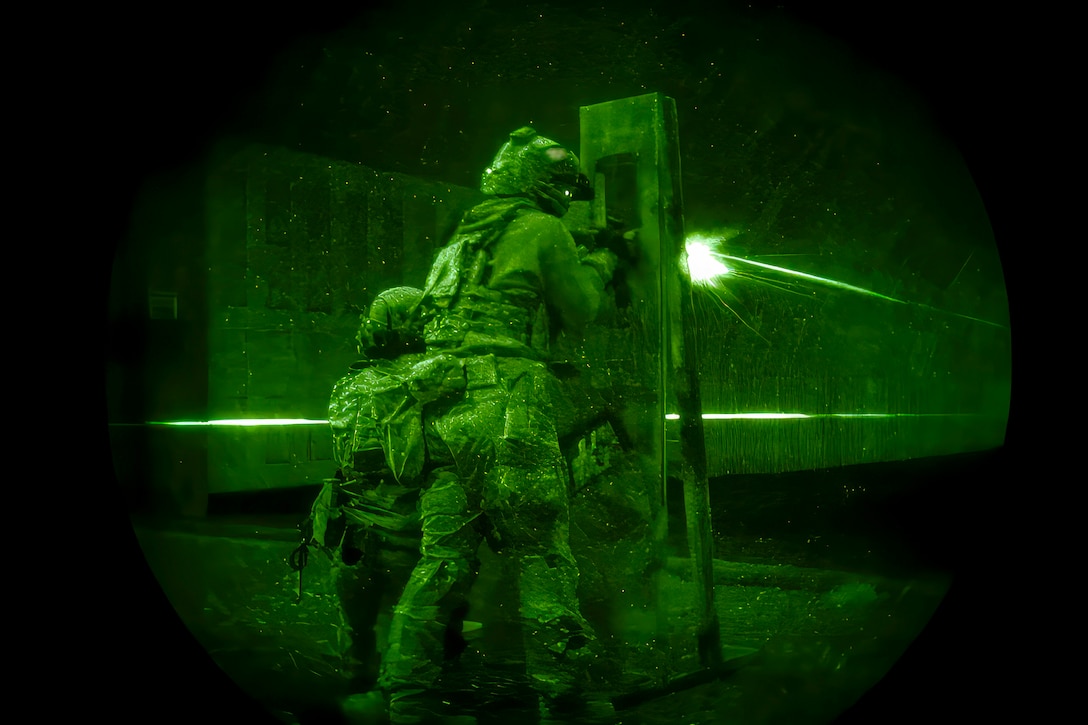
854 288
815 278
258 422
705 265
243 422
789 416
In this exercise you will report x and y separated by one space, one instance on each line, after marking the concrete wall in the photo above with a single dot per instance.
298 247
274 255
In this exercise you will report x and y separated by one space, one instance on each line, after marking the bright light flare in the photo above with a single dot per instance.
702 261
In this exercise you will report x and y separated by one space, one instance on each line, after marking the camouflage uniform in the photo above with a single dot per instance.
494 468
367 519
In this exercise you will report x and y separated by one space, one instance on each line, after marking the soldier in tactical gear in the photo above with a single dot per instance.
508 281
471 428
366 518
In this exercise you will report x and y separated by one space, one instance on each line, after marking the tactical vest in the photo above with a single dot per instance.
460 313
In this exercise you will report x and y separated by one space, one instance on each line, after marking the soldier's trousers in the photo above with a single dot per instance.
496 471
367 584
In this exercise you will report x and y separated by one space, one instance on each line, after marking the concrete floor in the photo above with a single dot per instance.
826 576
811 641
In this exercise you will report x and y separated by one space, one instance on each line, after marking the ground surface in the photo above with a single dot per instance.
821 581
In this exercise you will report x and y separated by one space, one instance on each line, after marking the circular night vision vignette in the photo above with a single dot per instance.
709 266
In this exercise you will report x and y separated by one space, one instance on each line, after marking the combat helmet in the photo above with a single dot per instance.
389 328
529 164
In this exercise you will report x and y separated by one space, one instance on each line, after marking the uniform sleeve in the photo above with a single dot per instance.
537 250
571 288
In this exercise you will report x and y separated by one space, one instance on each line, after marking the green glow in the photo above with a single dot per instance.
703 264
852 288
746 416
790 416
243 422
256 422
814 278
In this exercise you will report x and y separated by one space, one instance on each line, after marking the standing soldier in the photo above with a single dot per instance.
475 433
